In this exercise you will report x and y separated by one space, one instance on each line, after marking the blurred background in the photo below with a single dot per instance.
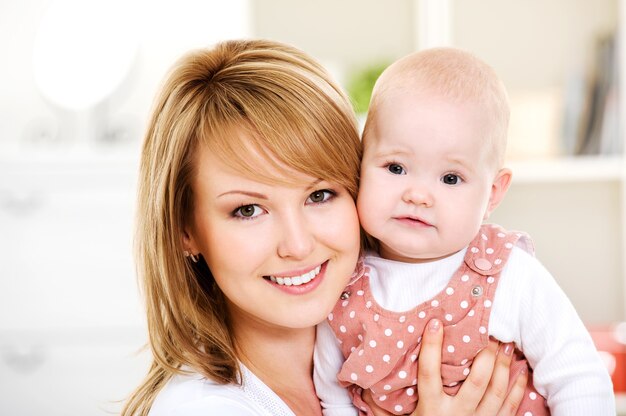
76 84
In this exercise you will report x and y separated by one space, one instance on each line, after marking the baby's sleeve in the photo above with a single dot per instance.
328 360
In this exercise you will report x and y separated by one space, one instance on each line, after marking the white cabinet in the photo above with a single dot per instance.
70 315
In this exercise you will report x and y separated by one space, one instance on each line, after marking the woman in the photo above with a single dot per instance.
247 234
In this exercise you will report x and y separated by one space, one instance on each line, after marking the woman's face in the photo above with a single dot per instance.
281 254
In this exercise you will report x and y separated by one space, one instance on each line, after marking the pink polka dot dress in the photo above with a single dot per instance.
381 346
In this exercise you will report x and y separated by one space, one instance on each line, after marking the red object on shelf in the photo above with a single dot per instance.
610 340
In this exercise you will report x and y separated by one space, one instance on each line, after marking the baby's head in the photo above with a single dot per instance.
434 145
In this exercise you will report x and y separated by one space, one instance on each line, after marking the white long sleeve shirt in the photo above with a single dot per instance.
529 309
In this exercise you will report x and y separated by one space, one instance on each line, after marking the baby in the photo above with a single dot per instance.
432 172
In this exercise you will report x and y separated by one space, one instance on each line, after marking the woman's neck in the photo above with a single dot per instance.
283 360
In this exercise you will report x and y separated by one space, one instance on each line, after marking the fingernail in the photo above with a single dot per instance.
508 349
434 325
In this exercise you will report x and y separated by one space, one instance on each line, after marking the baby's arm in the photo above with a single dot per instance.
328 360
567 368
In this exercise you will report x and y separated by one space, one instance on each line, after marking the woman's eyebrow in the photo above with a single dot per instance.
248 193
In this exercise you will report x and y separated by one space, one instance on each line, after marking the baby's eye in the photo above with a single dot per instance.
248 211
320 196
451 179
396 169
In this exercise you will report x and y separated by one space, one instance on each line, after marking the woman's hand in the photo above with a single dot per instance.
484 393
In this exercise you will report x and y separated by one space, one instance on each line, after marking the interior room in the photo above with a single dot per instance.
77 83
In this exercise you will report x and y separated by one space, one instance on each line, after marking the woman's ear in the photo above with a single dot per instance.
499 187
188 241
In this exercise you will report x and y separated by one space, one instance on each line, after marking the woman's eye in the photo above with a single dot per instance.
451 179
248 211
322 195
396 169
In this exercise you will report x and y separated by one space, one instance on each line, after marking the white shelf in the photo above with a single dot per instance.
569 169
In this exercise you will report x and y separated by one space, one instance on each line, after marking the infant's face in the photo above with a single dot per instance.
426 176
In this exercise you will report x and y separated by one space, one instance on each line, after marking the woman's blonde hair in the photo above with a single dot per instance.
293 114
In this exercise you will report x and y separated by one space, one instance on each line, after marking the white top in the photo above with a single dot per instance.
195 395
529 309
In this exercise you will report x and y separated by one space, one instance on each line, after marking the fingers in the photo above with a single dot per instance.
496 392
474 387
515 396
429 370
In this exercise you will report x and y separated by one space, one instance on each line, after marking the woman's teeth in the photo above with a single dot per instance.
297 280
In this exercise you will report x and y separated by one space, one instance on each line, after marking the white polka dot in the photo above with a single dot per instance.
354 377
360 337
474 250
414 382
410 391
411 329
501 235
434 303
489 250
450 291
373 343
508 245
402 319
388 332
386 358
450 348
471 313
464 361
342 329
352 314
376 317
466 371
397 408
464 278
490 279
466 338
344 303
352 349
368 304
387 387
402 374
382 398
419 339
487 303
532 395
482 330
448 317
360 353
422 314
400 344
369 368
330 316
360 292
454 383
413 358
497 261
528 414
484 237
464 304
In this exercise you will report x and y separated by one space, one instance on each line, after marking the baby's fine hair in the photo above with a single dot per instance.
235 99
454 74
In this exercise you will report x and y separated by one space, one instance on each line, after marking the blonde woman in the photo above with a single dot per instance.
247 233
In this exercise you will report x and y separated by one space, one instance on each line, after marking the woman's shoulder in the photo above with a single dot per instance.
194 395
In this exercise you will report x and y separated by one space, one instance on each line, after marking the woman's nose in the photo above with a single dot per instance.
297 240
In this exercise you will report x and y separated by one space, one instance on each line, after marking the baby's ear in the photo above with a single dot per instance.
500 185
